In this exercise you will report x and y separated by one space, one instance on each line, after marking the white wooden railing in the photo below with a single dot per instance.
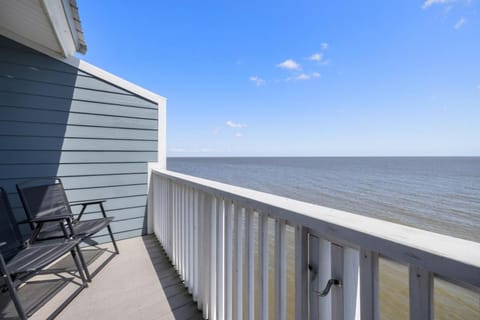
217 237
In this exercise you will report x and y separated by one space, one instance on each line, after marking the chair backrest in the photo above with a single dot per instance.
9 231
43 197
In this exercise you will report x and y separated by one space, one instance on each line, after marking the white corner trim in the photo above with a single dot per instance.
113 79
56 15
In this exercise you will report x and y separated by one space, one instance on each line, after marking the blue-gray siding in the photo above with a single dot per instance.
56 120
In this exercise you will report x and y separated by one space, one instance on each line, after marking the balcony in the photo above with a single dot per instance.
225 252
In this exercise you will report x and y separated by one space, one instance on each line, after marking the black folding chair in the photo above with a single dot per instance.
47 198
21 260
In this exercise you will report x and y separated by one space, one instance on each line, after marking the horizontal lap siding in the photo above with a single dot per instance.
56 120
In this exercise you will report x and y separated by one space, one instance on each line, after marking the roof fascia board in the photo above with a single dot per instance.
113 79
71 23
55 13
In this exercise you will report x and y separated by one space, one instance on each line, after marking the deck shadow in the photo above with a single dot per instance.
179 299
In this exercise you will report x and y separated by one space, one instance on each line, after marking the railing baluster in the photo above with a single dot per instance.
250 256
220 306
421 293
350 284
212 314
205 261
280 271
263 305
240 213
196 244
301 272
369 285
229 222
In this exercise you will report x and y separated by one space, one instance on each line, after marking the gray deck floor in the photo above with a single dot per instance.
140 283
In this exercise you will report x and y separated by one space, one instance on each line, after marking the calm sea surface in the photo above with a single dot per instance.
439 194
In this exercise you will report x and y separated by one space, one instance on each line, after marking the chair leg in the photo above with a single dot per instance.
11 288
82 262
77 264
113 239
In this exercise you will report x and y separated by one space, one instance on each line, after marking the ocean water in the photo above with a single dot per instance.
440 194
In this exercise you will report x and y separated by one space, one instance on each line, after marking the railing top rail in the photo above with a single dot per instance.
452 258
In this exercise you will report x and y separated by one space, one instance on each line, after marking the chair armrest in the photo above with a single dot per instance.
56 217
86 203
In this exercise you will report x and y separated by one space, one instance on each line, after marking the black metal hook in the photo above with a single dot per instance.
330 283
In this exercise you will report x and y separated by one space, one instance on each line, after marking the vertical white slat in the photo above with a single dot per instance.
170 223
229 221
205 254
212 310
337 273
188 234
220 306
351 292
369 306
240 213
180 227
263 258
190 240
301 272
280 271
421 293
250 256
196 245
174 229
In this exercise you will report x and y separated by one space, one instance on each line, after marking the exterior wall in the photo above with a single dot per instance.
56 120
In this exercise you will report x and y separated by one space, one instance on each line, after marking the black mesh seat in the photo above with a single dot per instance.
47 198
18 259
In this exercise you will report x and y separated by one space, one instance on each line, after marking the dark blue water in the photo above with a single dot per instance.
439 194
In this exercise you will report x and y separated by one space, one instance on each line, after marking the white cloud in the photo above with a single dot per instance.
232 124
257 80
459 23
324 46
289 64
316 57
238 134
304 76
428 3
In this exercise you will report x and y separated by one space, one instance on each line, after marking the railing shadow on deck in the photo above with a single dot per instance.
179 299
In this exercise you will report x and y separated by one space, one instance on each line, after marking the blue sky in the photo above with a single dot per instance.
300 78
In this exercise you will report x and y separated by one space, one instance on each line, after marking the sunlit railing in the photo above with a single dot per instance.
230 246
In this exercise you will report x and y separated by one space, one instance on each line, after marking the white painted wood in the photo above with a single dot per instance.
421 293
313 276
449 257
229 225
263 258
324 274
337 273
55 13
369 306
351 297
113 79
220 306
280 271
212 311
241 237
162 134
196 245
301 272
250 256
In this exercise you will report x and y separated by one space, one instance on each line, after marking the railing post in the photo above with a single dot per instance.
220 305
421 293
229 220
351 294
301 272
